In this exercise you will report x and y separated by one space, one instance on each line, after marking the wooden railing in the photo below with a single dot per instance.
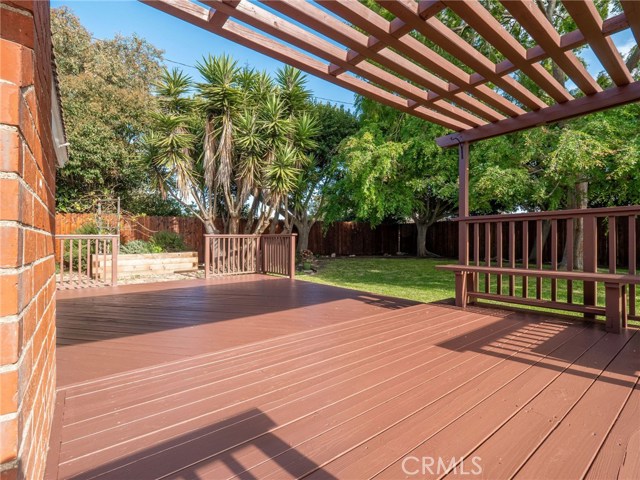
278 254
243 254
86 260
524 259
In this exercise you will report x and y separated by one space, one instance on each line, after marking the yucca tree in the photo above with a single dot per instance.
235 138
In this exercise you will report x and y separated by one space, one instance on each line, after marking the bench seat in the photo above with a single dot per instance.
615 289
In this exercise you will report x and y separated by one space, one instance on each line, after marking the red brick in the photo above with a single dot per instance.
10 151
9 294
10 342
9 444
11 474
17 27
10 105
9 196
25 289
30 246
28 322
10 247
8 392
16 66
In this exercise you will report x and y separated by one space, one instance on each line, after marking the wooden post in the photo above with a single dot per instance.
615 306
292 256
115 246
207 255
462 281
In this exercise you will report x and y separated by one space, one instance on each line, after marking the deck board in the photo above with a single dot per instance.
333 384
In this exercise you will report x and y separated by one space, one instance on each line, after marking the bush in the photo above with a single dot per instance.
169 241
140 246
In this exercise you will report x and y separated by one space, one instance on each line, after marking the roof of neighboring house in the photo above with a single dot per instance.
57 118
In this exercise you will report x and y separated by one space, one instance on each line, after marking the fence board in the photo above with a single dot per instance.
346 238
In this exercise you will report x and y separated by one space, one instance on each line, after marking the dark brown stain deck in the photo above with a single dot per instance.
259 377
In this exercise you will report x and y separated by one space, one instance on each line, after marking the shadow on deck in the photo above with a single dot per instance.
301 380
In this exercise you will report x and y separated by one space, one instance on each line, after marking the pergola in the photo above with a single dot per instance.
350 45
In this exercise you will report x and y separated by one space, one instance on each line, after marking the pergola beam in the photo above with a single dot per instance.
589 22
398 70
218 23
486 25
632 12
294 35
529 15
604 100
449 41
382 31
318 20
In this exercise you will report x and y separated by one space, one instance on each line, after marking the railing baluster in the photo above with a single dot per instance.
613 249
632 262
487 255
525 257
539 251
570 266
554 258
499 256
590 260
512 257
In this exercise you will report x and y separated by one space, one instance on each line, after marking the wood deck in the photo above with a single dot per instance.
302 380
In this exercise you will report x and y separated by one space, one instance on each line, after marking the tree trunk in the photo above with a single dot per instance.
422 227
578 235
233 227
210 227
304 228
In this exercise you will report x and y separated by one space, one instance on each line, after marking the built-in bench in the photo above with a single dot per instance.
615 284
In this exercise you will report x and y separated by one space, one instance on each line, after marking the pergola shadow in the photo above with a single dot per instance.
192 456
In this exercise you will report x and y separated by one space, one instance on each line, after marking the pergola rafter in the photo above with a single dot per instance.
381 59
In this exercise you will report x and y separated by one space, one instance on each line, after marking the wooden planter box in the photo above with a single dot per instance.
144 264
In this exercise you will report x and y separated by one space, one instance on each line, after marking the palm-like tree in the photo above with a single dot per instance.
235 136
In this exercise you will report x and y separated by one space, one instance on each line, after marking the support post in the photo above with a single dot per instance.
462 281
292 256
615 300
115 247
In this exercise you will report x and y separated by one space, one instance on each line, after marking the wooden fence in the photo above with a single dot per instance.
343 238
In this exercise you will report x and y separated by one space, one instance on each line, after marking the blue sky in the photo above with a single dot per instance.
181 41
187 44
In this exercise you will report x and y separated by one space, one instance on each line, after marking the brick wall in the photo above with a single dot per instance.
27 284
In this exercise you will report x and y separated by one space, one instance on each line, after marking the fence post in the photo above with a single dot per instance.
292 256
115 246
207 255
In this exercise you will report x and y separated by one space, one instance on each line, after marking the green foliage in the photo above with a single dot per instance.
392 167
140 246
234 134
168 241
105 92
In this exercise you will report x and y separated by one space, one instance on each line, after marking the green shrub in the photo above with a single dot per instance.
140 246
169 241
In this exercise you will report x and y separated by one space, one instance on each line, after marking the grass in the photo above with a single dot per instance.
411 278
417 279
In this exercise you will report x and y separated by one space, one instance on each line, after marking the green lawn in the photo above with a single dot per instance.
417 279
410 278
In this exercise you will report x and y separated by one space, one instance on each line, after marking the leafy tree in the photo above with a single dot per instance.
306 203
235 140
392 167
105 92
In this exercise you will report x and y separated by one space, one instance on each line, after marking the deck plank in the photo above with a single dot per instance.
589 422
280 379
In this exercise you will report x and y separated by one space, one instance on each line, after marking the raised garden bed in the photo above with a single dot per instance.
144 264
